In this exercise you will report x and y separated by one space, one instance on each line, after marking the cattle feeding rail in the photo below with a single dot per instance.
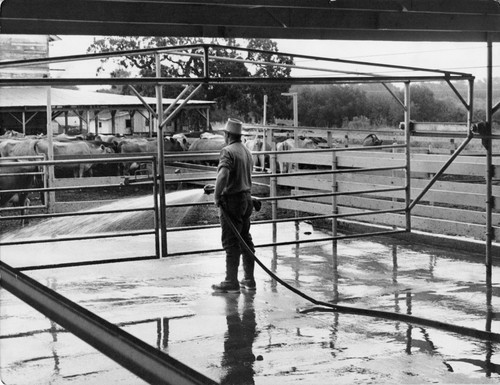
330 193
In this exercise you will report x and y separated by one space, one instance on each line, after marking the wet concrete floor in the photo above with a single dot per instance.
260 338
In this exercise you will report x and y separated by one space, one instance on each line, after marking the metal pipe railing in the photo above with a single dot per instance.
441 171
79 238
177 180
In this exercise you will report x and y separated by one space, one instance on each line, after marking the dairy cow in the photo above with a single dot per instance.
141 145
72 148
257 145
210 143
289 145
16 177
17 147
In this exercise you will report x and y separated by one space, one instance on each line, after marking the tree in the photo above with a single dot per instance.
329 106
242 100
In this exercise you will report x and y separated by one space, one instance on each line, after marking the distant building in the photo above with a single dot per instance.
21 47
24 109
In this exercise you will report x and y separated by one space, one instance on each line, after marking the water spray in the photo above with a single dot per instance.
322 306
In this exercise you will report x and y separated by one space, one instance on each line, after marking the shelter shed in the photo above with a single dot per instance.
23 109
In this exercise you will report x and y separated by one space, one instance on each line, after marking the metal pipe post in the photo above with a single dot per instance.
161 163
335 209
489 166
50 155
158 229
273 190
408 154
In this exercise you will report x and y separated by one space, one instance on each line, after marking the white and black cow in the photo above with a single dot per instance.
289 145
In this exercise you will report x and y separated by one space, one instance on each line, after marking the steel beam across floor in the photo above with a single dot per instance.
145 361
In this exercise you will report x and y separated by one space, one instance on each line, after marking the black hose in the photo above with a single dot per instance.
329 307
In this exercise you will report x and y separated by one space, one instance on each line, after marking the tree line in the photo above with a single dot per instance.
356 106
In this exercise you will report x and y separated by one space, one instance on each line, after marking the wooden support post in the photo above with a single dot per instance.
80 120
113 122
264 112
87 120
24 122
132 121
96 120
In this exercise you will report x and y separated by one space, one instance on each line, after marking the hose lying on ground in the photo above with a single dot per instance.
329 307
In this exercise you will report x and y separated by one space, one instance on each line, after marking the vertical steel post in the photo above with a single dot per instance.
295 109
50 154
489 166
335 209
408 154
161 161
470 100
158 228
206 74
273 190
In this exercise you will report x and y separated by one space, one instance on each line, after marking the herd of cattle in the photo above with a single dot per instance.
16 149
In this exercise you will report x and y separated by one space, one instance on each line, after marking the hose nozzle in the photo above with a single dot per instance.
209 189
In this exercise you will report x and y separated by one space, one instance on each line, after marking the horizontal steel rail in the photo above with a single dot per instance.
297 242
135 355
17 208
86 263
65 188
332 194
22 173
73 213
79 238
336 171
20 82
81 159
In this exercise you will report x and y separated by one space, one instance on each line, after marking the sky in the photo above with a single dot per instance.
461 57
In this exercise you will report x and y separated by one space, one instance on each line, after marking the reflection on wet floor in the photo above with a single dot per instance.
260 338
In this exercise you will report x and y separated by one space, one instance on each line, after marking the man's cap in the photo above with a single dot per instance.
234 126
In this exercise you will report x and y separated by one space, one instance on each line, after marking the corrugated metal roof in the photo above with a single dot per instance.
36 97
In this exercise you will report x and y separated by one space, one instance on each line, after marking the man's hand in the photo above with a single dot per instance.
220 201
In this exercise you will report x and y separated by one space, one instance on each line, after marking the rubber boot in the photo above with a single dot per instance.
232 264
248 282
